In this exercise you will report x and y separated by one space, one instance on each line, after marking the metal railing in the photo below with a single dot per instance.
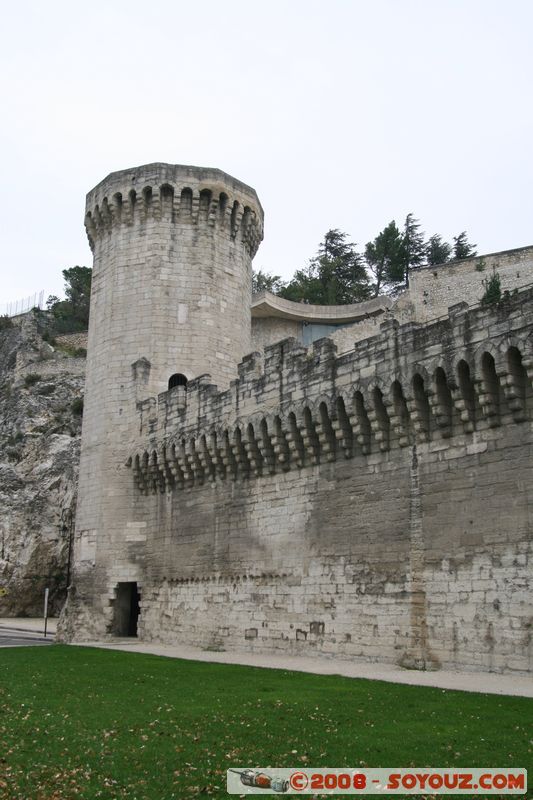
22 306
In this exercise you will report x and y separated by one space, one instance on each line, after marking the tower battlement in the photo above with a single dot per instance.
412 384
176 194
367 502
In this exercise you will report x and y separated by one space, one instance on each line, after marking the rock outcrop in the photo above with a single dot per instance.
41 403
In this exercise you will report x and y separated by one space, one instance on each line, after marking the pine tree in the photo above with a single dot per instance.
412 252
462 247
265 282
413 246
304 287
335 276
72 314
437 250
341 269
384 257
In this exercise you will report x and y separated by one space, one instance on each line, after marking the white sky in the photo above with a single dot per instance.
340 114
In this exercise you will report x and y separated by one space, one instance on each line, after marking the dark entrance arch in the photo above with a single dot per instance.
127 610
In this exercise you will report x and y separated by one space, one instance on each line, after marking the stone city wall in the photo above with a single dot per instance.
53 369
267 330
431 291
373 505
73 341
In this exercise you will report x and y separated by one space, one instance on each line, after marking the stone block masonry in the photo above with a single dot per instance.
171 295
373 504
431 291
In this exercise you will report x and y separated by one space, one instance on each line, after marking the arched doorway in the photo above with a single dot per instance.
127 609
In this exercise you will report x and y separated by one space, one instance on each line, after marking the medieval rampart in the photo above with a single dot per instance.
375 504
431 291
370 503
170 299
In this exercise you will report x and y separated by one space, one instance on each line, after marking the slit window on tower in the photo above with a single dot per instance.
177 380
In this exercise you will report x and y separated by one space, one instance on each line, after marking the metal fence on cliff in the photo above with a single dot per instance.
16 307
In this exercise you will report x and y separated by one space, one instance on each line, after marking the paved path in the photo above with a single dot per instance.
28 624
444 679
14 638
19 632
29 631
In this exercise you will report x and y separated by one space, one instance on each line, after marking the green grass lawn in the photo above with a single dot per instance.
88 723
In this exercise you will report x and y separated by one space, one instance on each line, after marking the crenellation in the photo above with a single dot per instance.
440 398
165 198
362 497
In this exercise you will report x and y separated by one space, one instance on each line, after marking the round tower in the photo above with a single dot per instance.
173 247
170 300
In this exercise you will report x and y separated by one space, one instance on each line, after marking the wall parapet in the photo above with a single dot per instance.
409 384
178 194
431 291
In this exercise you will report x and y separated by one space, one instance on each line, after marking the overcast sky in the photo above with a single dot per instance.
340 114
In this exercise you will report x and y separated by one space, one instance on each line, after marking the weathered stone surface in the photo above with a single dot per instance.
370 504
383 515
431 292
39 453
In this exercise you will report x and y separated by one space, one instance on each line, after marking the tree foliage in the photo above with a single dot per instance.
405 250
265 282
413 247
72 314
339 274
462 247
384 257
437 250
336 275
493 289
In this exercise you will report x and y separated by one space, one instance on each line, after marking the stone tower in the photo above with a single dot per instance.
170 300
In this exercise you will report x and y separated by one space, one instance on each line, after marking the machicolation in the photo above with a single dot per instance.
345 481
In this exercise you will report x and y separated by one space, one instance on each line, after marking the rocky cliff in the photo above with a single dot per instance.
41 404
